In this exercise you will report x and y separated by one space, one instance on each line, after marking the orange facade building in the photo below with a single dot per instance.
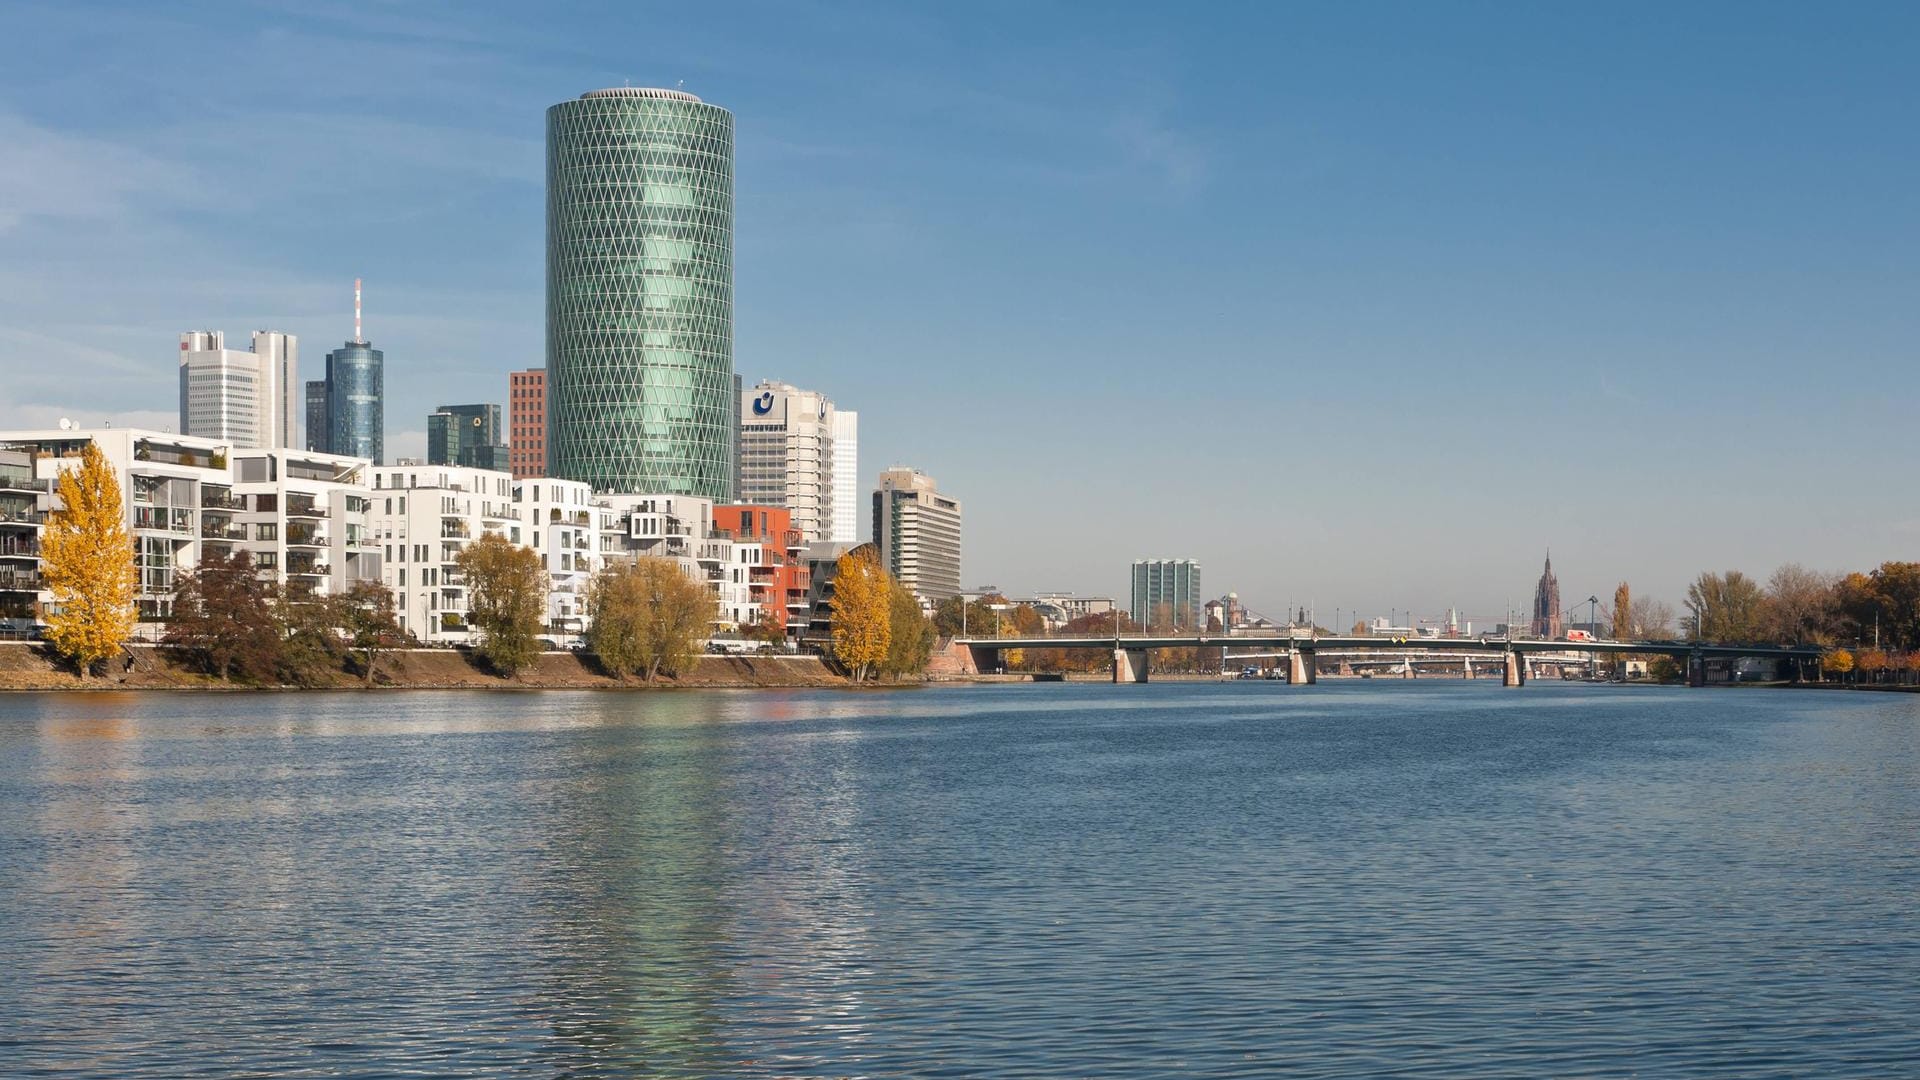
778 582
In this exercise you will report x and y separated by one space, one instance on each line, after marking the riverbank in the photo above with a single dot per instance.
28 666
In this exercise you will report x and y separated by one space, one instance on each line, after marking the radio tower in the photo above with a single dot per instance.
358 337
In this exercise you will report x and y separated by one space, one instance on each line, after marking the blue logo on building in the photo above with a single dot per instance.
764 403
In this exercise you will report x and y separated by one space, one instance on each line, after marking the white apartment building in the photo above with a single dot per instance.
423 516
796 451
247 400
680 527
574 536
917 532
303 517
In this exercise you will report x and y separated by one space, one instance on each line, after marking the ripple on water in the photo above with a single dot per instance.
1353 880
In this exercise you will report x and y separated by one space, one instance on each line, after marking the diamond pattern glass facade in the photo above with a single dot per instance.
640 388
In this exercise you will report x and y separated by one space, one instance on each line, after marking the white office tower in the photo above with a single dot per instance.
789 457
846 478
917 531
246 399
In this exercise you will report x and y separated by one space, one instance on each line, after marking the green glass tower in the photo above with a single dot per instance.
640 387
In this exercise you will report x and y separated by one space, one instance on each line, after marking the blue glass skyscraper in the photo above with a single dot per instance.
346 412
356 413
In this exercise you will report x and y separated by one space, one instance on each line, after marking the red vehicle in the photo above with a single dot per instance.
1581 635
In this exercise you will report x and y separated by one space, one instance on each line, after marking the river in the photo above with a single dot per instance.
1352 879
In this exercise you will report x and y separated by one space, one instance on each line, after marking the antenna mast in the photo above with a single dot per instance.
358 338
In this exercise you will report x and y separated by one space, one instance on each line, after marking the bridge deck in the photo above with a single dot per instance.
1382 644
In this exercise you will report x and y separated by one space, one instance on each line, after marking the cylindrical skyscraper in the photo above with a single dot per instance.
640 389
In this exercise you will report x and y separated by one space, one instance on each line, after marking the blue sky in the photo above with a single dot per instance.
1360 305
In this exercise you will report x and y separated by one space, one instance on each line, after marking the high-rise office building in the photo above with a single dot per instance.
527 423
466 435
845 528
351 401
247 399
317 436
1166 592
640 389
792 454
917 531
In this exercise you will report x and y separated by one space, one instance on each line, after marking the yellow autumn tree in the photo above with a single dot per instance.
862 612
1837 662
86 558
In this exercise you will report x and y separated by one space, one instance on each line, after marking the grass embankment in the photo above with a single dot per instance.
29 666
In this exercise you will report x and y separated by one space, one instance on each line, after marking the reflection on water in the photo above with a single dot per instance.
1015 881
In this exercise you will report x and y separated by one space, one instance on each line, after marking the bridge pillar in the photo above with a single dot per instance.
1129 665
1516 674
1301 669
1466 667
1696 669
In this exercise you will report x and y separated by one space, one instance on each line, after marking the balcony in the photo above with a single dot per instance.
221 530
299 569
18 515
305 538
19 581
19 547
455 529
305 510
219 500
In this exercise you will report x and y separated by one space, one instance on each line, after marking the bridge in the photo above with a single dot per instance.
1303 652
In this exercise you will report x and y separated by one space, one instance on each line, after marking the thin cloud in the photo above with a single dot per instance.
47 174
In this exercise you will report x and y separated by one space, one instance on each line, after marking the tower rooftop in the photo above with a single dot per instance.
639 92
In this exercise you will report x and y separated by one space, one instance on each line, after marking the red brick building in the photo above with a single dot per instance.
527 423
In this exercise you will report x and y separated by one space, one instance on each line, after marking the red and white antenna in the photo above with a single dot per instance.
358 338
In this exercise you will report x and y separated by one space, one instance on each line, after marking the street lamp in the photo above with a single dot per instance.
1593 627
997 609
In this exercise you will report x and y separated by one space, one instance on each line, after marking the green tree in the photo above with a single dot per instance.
223 619
366 612
310 649
86 560
862 613
909 634
648 617
506 601
979 615
1729 608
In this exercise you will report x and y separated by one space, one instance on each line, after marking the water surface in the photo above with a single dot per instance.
1351 879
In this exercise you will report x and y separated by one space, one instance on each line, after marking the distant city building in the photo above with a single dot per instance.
798 451
845 527
467 435
245 399
317 435
349 404
640 384
1166 592
1546 604
916 531
527 423
1058 609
